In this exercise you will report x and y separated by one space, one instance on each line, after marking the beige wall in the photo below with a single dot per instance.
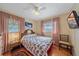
75 34
36 25
64 28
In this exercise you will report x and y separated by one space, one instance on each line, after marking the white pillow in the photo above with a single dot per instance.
28 32
31 35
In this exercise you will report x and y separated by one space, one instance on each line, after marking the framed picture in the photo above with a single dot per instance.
73 20
28 25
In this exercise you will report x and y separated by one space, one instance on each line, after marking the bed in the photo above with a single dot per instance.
37 45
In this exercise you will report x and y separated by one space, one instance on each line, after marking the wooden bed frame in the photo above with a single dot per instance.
26 32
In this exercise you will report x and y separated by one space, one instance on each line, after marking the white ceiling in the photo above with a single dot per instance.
25 9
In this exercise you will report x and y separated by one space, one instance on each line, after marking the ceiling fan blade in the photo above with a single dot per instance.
42 8
30 6
35 7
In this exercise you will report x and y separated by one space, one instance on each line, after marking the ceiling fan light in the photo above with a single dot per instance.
36 12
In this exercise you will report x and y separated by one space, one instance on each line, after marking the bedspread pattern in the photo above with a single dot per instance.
37 45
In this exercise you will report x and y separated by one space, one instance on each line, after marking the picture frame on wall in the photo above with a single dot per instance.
28 25
73 20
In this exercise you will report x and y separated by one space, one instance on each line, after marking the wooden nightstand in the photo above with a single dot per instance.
12 46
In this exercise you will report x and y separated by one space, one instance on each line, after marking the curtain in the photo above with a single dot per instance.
56 30
4 18
4 29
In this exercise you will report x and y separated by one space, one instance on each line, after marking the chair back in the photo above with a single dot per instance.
64 38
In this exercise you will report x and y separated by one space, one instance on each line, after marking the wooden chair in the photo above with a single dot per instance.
64 42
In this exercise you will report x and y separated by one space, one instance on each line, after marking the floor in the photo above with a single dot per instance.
21 49
54 51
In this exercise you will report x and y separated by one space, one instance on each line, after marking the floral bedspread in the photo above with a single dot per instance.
37 45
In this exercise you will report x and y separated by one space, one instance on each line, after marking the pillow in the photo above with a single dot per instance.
31 35
29 32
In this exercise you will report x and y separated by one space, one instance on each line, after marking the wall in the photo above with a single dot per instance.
64 29
36 25
76 34
76 40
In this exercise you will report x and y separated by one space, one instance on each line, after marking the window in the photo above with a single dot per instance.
13 25
48 27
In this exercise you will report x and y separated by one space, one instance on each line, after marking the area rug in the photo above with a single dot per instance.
19 53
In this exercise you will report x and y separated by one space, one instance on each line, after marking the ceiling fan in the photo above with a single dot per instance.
37 8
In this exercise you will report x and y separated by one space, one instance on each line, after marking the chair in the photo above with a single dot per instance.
64 42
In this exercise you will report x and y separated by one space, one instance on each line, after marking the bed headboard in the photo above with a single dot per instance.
26 32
